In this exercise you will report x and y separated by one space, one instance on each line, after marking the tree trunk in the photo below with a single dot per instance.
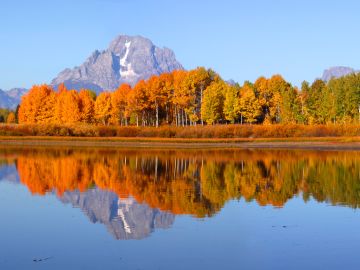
176 117
201 100
180 118
167 114
157 114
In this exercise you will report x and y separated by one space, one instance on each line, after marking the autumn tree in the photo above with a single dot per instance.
157 95
249 107
103 108
197 81
11 119
268 99
290 106
181 96
167 84
213 102
67 107
343 97
137 101
86 104
37 106
4 113
231 96
118 105
314 102
132 108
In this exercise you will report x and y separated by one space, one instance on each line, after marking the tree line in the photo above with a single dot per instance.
7 116
199 96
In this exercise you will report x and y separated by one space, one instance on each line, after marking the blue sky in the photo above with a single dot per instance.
241 40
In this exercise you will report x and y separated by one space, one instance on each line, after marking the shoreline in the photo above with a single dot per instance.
306 143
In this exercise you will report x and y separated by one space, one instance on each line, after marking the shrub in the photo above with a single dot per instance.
213 131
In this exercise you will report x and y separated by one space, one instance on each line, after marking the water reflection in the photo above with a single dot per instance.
124 218
133 192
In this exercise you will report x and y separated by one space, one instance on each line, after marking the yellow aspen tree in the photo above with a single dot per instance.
213 102
167 80
103 108
87 109
230 103
11 119
71 110
249 107
118 103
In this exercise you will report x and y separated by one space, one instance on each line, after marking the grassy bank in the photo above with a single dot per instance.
339 137
213 132
311 143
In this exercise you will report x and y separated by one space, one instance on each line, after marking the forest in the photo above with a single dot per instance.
196 97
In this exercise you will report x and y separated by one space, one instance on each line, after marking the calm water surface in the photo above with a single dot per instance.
190 209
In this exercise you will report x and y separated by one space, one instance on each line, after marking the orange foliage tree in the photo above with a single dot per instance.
87 106
11 118
118 105
103 108
38 105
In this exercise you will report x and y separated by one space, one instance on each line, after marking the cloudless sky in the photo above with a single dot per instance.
241 40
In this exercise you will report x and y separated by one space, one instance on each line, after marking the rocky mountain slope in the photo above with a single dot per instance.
336 72
11 98
128 59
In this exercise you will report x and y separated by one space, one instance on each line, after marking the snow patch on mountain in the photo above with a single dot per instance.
123 59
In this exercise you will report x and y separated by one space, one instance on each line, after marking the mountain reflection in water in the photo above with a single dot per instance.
124 218
133 192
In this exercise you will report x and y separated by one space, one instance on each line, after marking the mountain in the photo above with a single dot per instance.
11 98
16 93
336 72
128 59
231 82
123 218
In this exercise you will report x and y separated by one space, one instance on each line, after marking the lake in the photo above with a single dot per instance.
94 208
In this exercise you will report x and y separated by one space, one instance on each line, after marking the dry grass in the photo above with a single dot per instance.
216 131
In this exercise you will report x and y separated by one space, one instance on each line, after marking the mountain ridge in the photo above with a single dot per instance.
337 72
128 59
11 98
